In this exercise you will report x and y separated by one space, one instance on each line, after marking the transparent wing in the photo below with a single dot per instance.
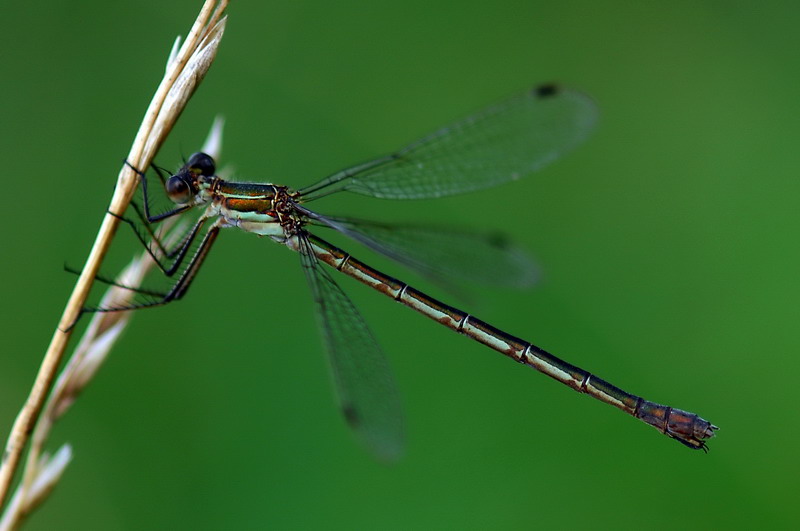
503 142
362 377
443 254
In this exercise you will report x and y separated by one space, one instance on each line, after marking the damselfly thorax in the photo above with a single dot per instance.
263 209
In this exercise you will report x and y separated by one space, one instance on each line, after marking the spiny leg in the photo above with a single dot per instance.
111 282
178 288
154 237
178 253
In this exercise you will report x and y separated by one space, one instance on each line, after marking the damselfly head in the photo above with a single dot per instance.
181 187
201 164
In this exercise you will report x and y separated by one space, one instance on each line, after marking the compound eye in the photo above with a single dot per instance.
178 190
202 164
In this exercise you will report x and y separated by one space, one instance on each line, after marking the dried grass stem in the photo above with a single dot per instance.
183 74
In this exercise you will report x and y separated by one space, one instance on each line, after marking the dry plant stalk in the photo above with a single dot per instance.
184 72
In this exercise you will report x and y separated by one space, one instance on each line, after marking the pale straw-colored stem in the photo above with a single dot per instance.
184 73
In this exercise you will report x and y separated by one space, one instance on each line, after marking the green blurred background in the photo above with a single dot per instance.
668 244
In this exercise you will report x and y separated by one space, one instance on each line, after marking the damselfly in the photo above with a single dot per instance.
503 142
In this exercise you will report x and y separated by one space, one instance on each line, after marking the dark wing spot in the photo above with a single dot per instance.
547 90
498 240
351 415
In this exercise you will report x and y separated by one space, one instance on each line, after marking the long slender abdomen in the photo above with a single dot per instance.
687 428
